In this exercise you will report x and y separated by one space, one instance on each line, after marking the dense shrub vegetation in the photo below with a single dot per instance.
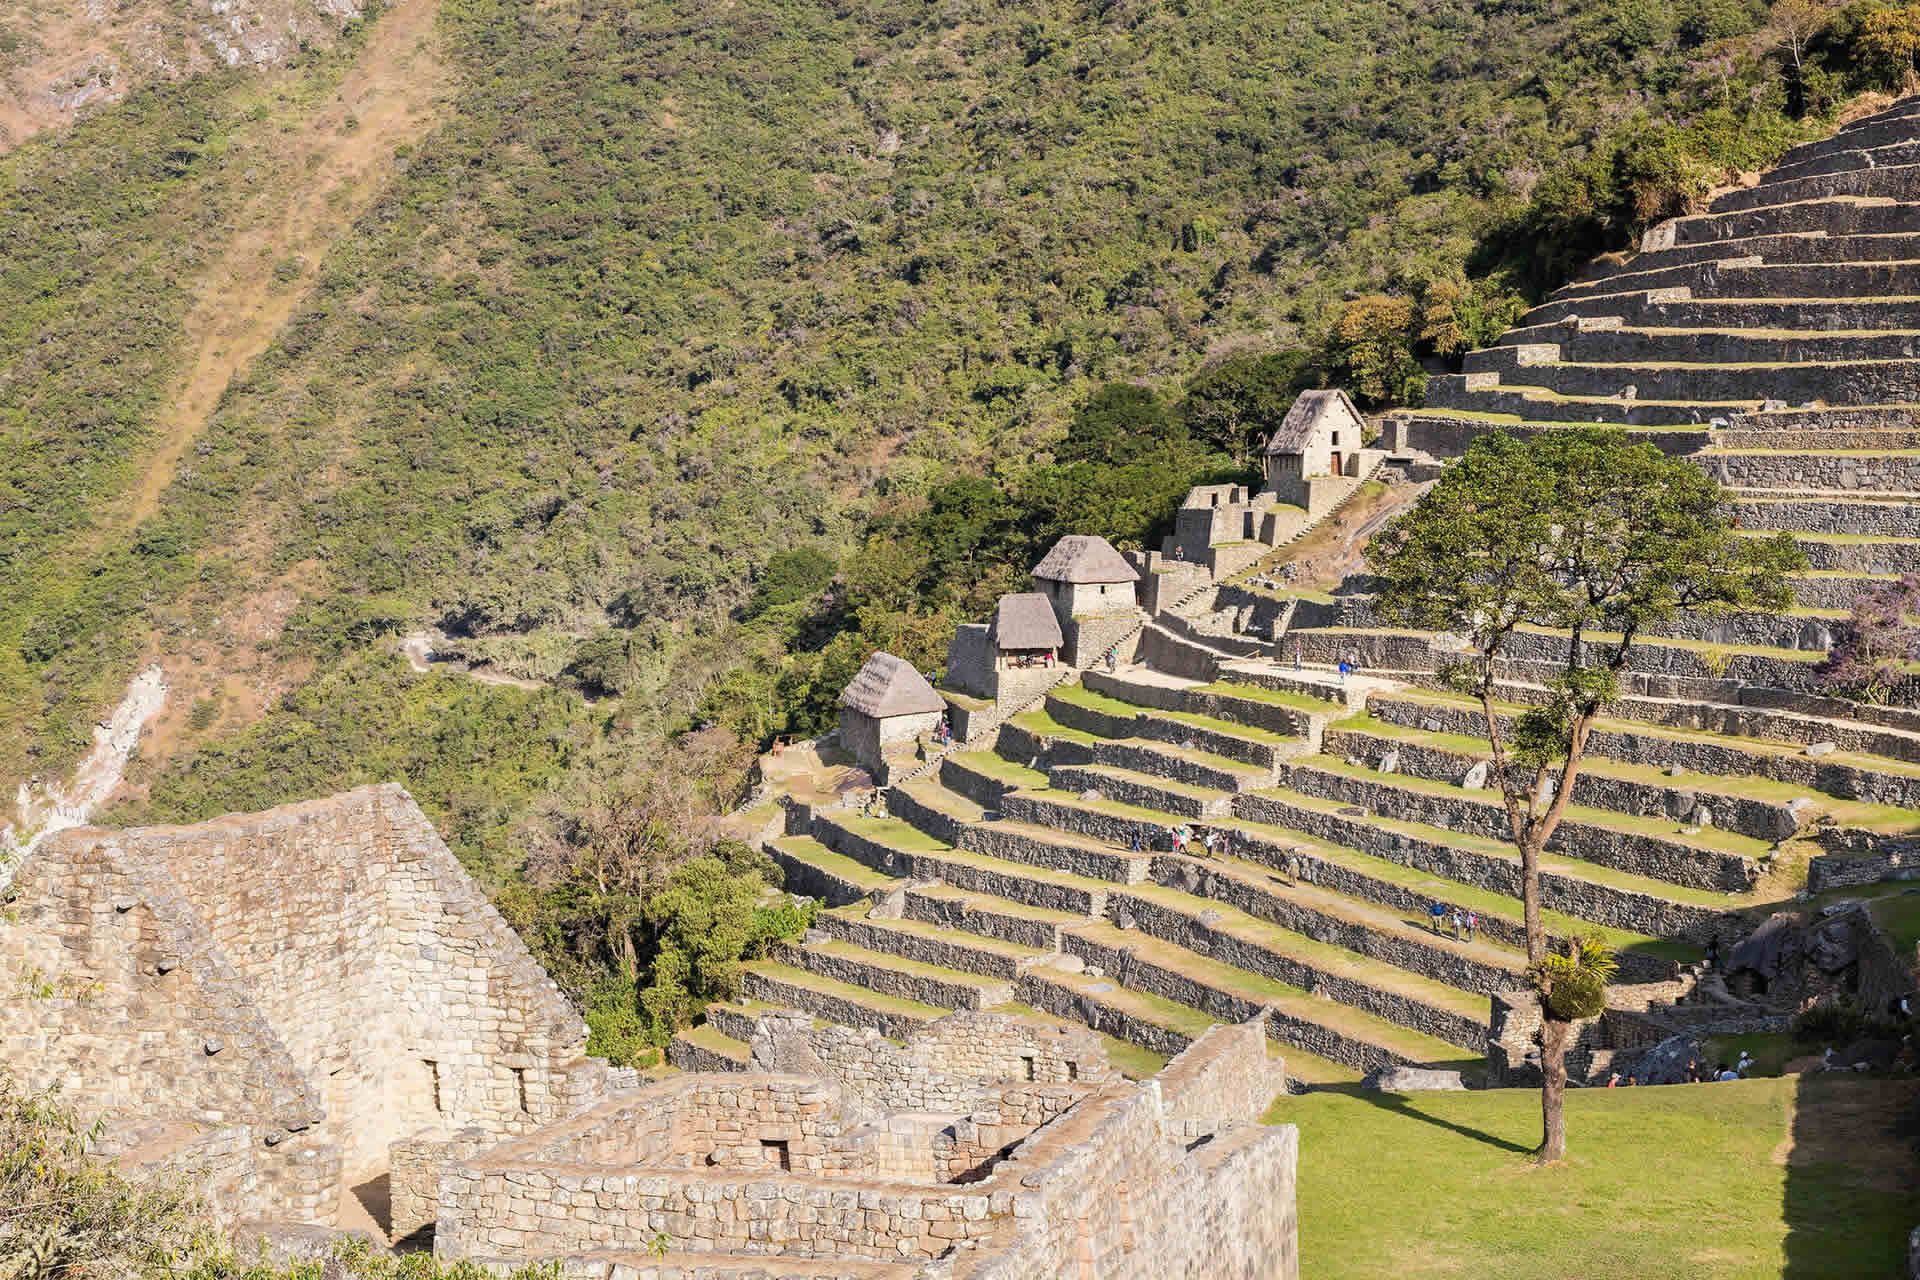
697 352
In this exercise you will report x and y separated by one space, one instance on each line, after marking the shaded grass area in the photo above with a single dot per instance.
1797 1177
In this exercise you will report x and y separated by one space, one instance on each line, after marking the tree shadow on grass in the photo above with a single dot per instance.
1853 1176
1402 1104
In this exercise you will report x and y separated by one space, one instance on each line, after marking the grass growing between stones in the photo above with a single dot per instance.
1800 1177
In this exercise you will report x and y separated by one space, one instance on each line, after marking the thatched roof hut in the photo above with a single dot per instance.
1083 557
888 686
1024 620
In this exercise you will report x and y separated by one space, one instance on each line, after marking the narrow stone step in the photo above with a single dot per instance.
837 1001
1709 859
897 976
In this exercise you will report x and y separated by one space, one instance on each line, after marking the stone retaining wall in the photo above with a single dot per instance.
980 917
1646 855
1585 899
902 984
1761 819
1139 792
1169 925
948 953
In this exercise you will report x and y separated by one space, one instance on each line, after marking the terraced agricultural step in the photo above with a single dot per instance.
895 975
914 855
1895 476
1708 757
1228 936
1707 859
1878 381
837 1001
705 1048
1113 717
1855 553
1580 890
1143 790
1227 994
817 871
929 944
1602 783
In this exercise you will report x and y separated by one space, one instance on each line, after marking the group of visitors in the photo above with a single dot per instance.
1464 920
874 805
942 733
1206 844
1696 1074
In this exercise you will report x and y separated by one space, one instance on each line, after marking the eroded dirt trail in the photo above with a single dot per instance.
332 169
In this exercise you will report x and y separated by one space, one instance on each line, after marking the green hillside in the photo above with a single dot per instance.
669 290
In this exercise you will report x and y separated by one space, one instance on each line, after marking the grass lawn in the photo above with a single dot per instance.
1801 1177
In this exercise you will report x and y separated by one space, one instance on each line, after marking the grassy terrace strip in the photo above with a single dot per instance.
1230 994
1707 838
1046 726
1852 813
1337 961
1430 886
841 1002
1000 769
1229 687
1080 695
1570 867
716 1042
810 851
897 976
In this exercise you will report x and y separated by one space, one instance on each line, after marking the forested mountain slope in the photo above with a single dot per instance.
670 288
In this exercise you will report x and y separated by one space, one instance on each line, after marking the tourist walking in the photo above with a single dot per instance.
1438 915
1296 655
1473 922
1293 868
1343 673
1459 925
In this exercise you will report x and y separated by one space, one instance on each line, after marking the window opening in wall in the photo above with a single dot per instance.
520 1088
1073 1071
433 1081
776 1153
1336 439
1028 1059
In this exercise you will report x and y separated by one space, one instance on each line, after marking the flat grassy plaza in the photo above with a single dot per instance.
1811 1178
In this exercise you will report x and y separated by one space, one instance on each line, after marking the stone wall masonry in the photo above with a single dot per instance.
1869 381
1583 899
1414 954
1141 792
970 661
978 916
910 809
413 1176
896 1025
975 784
1164 651
1166 763
1881 519
901 984
1128 970
1009 884
1898 473
1145 724
1169 925
1899 182
1646 855
1041 809
1831 592
1220 1082
1445 437
804 878
996 841
1847 872
1862 557
1272 717
948 953
1064 1001
1761 819
689 1056
1088 639
1762 630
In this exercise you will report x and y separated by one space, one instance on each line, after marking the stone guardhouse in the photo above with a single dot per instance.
1321 437
884 711
1016 655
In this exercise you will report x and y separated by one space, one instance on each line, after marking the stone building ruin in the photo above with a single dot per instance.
1321 437
270 1001
884 711
281 1006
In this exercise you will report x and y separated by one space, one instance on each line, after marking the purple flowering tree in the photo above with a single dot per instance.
1877 645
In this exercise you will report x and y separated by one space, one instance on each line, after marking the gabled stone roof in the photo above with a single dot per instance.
1312 412
889 686
1082 557
1025 620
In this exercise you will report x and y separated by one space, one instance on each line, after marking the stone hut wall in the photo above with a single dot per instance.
110 988
970 660
383 969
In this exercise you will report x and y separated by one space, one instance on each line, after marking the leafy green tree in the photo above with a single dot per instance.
1235 405
798 574
704 924
1890 39
1370 351
1119 423
1574 531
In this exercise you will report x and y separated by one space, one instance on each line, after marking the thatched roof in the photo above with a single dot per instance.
1025 621
888 686
1314 412
1081 557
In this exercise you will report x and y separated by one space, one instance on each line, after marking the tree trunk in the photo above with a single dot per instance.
1530 897
1554 1035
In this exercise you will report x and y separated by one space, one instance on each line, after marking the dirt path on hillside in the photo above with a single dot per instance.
330 171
